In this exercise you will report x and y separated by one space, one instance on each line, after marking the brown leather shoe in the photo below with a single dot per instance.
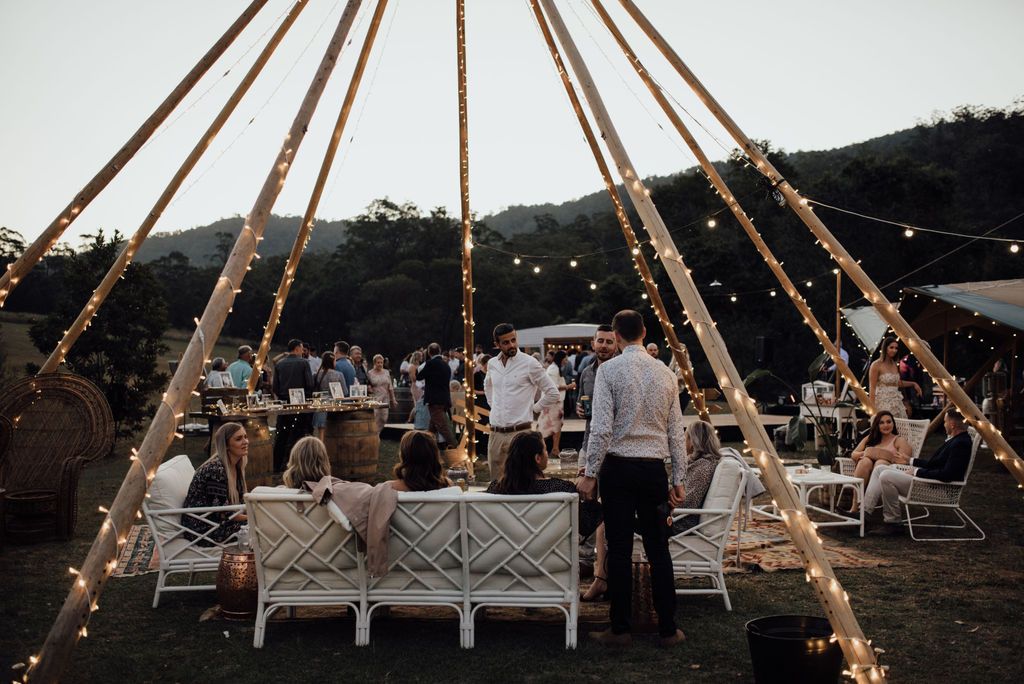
676 638
610 638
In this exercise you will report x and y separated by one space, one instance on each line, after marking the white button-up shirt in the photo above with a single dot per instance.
636 413
510 389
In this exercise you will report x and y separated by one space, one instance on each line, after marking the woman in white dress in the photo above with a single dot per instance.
550 422
885 383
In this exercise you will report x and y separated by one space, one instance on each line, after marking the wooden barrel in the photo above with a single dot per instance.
403 395
260 469
352 444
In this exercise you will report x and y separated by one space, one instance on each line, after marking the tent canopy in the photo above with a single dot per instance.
995 306
867 325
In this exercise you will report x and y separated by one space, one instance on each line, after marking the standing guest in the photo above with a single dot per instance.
241 369
291 372
220 481
419 464
479 376
652 349
635 427
342 362
379 381
312 358
403 371
436 375
512 382
885 383
356 357
322 380
478 353
218 376
415 383
569 378
948 464
684 391
550 421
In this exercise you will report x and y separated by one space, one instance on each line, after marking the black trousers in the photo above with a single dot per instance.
290 429
631 491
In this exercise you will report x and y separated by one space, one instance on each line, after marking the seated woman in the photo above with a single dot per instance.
219 482
307 462
524 474
419 465
883 446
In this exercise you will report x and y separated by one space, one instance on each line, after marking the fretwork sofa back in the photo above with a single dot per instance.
445 548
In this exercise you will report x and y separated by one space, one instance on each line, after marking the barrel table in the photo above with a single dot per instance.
353 444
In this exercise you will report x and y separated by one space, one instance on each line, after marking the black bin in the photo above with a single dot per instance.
786 649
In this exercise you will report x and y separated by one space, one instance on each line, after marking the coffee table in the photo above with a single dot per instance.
806 481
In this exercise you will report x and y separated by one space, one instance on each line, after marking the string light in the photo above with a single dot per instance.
536 269
517 260
1014 247
573 263
909 232
712 223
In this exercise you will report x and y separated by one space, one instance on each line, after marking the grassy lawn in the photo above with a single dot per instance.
942 612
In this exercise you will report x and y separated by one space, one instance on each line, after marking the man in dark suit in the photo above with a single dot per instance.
948 464
436 376
291 372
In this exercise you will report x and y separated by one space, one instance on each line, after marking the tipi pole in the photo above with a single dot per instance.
741 216
839 325
993 437
858 652
306 228
467 236
682 359
119 266
85 591
20 268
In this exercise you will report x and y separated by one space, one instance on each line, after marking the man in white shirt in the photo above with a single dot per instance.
512 382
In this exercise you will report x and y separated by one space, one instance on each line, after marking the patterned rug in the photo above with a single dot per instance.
138 557
765 546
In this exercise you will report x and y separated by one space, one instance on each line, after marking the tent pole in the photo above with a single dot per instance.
859 653
309 218
120 265
993 437
467 237
730 200
839 324
37 250
102 558
678 353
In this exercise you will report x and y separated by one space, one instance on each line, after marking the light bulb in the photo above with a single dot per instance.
1014 248
636 251
712 223
517 260
809 283
909 232
733 298
772 293
573 263
593 286
536 269
643 296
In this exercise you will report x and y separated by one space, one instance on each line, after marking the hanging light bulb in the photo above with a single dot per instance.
809 283
636 251
643 296
593 286
573 263
517 260
536 269
909 232
1014 248
772 293
732 298
712 223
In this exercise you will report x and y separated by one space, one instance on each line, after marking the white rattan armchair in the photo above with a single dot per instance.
925 493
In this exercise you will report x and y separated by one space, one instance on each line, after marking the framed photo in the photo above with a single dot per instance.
357 391
336 391
252 401
297 396
222 407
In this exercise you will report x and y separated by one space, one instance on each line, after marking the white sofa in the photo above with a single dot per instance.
178 548
446 548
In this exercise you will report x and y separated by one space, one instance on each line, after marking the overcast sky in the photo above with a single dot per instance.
78 78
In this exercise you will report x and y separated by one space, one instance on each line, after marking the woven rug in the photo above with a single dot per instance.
765 546
138 557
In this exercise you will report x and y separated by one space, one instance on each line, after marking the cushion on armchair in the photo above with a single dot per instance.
721 493
170 487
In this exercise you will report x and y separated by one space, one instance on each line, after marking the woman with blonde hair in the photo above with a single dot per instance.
220 481
307 462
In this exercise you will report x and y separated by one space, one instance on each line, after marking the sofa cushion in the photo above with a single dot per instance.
169 489
722 493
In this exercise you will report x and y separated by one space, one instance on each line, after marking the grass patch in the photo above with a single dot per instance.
911 609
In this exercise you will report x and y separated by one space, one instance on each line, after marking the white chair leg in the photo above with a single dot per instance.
159 587
571 623
261 626
725 591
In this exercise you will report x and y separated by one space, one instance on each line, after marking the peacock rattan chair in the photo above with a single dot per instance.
60 422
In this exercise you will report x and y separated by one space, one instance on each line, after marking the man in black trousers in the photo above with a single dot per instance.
635 427
291 372
436 376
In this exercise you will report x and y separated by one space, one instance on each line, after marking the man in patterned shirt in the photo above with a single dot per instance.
635 426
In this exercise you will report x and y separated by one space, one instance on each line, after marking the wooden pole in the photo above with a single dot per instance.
741 216
839 326
120 264
859 654
640 261
42 244
467 234
101 560
993 437
308 219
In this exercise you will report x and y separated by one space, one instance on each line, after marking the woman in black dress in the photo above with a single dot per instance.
524 474
219 482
